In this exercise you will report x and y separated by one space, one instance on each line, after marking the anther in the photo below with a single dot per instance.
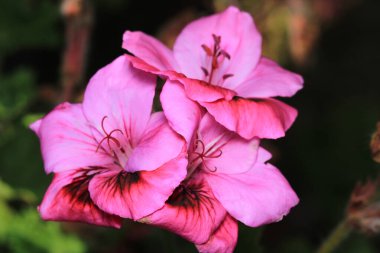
205 71
225 54
207 49
217 39
226 76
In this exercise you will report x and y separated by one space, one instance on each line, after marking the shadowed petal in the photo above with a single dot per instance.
182 113
259 196
66 140
268 118
135 195
223 240
150 50
68 199
158 145
269 80
191 211
239 37
124 95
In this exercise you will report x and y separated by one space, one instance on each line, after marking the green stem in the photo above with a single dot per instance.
337 236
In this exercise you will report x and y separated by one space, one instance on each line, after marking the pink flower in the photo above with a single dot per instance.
218 62
111 156
228 179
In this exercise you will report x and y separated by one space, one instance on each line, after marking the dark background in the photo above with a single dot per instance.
333 44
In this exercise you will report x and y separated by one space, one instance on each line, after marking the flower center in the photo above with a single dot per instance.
199 156
114 144
215 56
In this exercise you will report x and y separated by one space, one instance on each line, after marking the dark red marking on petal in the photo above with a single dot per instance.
68 199
77 190
192 211
121 181
189 195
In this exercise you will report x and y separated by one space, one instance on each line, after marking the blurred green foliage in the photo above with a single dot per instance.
26 24
324 154
22 230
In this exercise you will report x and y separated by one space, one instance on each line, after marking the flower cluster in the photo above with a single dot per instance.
197 167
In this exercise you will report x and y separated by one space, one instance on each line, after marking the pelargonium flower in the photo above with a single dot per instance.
228 179
111 157
218 62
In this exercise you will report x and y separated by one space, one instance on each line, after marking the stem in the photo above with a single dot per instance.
337 236
78 17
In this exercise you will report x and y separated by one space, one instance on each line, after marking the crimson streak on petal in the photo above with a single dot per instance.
191 211
68 199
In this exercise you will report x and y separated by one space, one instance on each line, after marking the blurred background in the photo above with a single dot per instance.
49 49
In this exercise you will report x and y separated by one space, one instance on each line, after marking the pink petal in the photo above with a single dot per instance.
182 113
158 145
201 91
263 155
196 90
135 195
142 65
228 152
259 196
267 118
192 212
239 37
67 142
122 94
223 240
270 80
35 126
68 199
150 50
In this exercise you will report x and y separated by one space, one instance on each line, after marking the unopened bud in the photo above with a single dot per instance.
363 212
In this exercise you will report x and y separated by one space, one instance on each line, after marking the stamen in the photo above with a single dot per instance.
215 63
225 54
215 53
226 76
204 71
207 49
108 137
217 39
203 154
210 170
